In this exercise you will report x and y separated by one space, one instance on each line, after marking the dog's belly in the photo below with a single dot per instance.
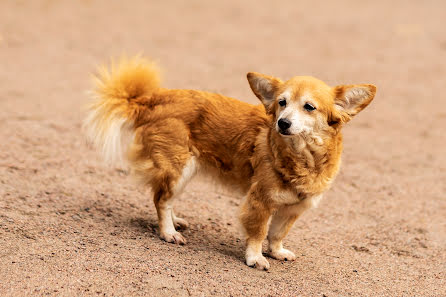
227 179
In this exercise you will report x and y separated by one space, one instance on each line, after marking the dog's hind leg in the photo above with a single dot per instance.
161 157
165 189
162 199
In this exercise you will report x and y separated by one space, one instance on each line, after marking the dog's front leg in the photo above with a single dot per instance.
254 217
281 223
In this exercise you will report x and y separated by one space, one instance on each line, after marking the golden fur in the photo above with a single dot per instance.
168 135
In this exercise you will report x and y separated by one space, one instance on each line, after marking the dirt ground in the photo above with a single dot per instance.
70 225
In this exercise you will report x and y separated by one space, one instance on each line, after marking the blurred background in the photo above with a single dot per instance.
71 225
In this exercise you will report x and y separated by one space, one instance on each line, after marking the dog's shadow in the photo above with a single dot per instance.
201 235
198 238
144 225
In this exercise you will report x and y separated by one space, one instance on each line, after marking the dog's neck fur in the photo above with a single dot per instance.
306 163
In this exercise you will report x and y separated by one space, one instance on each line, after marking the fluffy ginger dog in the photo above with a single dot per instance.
282 155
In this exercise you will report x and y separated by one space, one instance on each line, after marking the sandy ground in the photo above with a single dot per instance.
70 225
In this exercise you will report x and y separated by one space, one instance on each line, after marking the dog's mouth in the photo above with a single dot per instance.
287 133
284 132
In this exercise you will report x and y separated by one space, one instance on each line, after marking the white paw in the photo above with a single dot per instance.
174 237
283 254
257 261
180 223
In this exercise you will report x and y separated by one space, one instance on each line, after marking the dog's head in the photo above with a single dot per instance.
305 105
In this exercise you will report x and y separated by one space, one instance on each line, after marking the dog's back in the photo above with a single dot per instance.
136 120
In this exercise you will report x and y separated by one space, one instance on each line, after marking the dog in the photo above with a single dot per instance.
282 154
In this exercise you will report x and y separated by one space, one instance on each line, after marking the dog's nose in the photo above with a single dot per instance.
284 124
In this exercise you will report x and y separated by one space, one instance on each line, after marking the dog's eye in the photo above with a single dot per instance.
282 102
309 107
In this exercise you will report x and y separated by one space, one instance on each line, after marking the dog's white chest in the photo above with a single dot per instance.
291 197
286 197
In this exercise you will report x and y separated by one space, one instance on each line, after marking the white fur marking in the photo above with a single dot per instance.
111 135
168 226
188 173
315 200
285 95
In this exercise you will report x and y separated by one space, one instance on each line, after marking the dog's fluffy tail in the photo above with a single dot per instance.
119 90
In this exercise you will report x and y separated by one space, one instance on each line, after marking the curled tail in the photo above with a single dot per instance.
109 124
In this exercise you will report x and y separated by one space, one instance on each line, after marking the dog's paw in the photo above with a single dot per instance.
180 223
283 254
257 261
175 237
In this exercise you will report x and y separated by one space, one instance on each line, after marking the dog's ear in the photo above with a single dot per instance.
264 87
351 99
